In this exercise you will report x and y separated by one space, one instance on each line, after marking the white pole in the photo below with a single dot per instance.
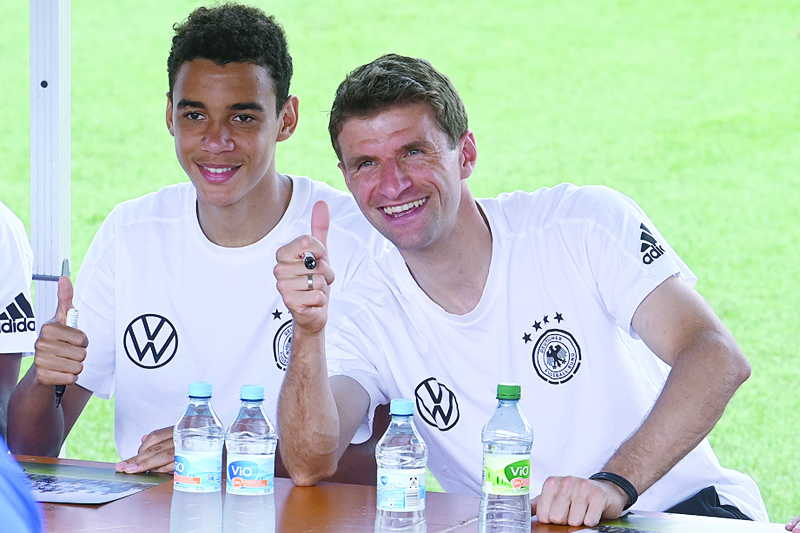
50 147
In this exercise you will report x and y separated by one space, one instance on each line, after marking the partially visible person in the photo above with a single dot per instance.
17 323
19 513
177 285
570 291
794 525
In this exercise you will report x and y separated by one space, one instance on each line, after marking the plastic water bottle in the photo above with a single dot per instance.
195 512
244 513
402 458
251 441
198 438
507 442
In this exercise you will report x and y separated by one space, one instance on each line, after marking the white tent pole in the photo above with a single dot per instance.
50 147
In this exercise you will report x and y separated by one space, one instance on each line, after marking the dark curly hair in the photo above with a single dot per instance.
233 33
394 80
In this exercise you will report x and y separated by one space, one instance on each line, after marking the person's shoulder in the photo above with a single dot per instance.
6 213
320 190
563 202
347 221
376 287
599 204
166 203
15 249
10 223
307 192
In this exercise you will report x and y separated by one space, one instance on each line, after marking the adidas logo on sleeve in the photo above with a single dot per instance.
17 316
650 249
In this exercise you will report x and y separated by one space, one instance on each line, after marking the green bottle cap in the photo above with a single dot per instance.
508 391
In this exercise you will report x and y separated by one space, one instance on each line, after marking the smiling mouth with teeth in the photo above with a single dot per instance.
398 210
218 170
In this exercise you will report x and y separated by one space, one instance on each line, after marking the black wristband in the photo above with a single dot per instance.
620 482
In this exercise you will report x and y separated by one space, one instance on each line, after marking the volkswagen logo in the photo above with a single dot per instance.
436 404
150 341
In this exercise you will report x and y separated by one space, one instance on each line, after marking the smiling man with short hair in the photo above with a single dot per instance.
569 291
177 285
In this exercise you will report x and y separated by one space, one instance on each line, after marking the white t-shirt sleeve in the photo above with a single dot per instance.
622 251
347 349
94 299
18 329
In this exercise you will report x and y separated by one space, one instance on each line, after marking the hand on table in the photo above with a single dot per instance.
156 454
60 350
305 291
794 525
577 501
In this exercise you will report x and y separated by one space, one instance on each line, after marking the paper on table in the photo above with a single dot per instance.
84 484
676 523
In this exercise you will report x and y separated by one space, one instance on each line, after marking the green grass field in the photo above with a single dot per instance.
690 107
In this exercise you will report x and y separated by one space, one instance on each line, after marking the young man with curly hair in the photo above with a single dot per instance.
177 285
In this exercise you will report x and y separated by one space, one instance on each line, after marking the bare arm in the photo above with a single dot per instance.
9 374
707 368
35 425
316 416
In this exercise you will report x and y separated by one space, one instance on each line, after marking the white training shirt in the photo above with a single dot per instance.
570 266
17 323
162 305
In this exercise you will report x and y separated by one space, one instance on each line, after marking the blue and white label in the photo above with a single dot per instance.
251 474
198 471
401 490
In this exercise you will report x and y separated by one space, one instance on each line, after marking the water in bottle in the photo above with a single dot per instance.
195 512
402 458
245 513
250 442
198 438
507 441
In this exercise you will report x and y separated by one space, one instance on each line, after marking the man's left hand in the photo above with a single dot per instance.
577 501
156 454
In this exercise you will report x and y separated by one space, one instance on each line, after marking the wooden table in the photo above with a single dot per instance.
329 507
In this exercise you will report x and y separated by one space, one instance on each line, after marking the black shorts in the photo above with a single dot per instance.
706 503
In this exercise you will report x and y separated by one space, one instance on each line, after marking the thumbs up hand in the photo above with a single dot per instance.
60 350
304 280
65 294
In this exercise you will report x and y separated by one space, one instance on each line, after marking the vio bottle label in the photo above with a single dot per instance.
250 474
506 474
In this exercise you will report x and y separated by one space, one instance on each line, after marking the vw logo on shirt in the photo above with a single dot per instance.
150 341
436 404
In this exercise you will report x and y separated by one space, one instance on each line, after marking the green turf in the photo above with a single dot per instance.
690 107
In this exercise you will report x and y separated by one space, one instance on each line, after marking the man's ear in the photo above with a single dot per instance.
288 117
468 154
170 125
346 177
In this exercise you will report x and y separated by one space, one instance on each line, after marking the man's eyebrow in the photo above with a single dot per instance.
355 161
244 106
190 103
419 145
247 106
